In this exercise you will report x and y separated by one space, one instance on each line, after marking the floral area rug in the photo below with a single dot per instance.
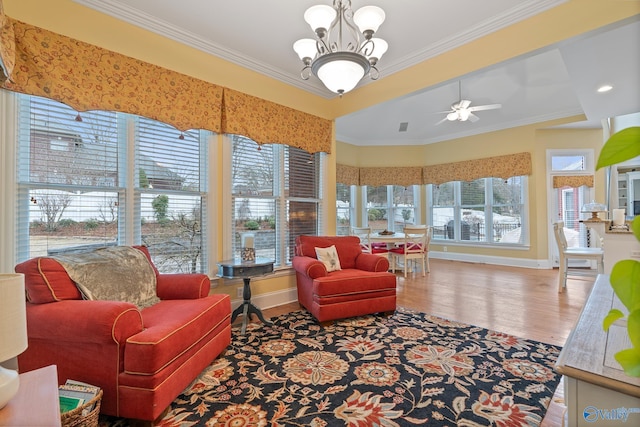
408 369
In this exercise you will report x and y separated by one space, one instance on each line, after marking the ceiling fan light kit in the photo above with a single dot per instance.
462 110
344 50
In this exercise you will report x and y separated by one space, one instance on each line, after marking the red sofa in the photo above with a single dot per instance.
142 359
362 286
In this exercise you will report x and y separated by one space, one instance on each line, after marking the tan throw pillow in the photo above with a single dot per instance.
329 257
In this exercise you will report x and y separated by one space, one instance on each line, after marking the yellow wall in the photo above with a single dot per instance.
535 139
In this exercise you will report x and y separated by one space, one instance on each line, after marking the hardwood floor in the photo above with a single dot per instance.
518 301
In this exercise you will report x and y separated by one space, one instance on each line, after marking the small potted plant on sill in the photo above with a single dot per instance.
625 274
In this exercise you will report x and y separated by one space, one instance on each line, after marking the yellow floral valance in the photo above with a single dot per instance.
573 181
498 167
267 122
7 46
347 175
87 77
404 176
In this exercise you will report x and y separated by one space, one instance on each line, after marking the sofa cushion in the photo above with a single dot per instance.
329 257
46 281
352 283
172 328
348 247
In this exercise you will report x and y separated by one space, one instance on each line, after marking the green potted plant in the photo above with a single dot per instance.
625 274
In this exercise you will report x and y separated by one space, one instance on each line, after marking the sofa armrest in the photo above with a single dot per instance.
308 266
82 321
182 286
371 262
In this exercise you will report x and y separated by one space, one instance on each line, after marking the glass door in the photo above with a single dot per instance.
568 202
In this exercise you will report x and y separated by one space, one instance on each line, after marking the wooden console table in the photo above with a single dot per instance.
597 391
36 404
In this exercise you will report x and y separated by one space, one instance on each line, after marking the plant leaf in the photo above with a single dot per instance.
633 327
629 359
614 314
625 281
635 227
620 146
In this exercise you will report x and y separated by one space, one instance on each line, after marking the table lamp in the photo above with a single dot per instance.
13 331
594 209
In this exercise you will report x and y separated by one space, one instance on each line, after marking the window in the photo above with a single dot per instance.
390 207
488 210
108 179
569 162
275 196
344 208
566 201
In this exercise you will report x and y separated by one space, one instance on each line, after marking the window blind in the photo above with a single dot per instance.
169 178
275 192
67 178
109 178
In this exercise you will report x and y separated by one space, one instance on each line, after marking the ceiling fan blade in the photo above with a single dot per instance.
473 118
464 103
441 121
443 112
485 107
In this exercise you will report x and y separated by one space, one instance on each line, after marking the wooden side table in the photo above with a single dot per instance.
36 404
235 268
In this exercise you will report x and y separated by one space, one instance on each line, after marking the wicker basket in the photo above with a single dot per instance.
74 418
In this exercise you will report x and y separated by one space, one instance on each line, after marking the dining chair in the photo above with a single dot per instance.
567 253
417 239
364 233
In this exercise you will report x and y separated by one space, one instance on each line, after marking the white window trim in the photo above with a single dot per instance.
8 174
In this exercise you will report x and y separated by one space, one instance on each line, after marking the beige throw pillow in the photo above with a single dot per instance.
329 257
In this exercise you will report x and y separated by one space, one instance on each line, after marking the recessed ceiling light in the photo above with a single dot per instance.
605 88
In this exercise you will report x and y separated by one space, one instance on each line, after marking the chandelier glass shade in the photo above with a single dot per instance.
344 50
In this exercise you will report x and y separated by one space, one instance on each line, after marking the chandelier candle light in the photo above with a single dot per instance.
341 55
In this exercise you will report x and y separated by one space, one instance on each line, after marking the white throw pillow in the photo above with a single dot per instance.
329 257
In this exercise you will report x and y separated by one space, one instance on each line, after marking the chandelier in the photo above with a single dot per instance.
344 50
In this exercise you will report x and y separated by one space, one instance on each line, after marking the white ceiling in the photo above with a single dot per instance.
553 83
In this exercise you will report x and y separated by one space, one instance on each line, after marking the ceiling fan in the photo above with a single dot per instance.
461 110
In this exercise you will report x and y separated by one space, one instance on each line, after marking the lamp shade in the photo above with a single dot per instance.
340 71
379 48
594 209
320 16
13 316
305 48
369 18
13 331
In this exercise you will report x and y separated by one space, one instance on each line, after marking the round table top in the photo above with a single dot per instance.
237 262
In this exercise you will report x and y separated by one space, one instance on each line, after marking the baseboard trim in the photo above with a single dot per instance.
488 259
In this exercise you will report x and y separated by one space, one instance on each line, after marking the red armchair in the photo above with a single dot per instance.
362 286
142 359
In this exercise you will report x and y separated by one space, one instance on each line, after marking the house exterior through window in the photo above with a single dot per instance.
104 178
